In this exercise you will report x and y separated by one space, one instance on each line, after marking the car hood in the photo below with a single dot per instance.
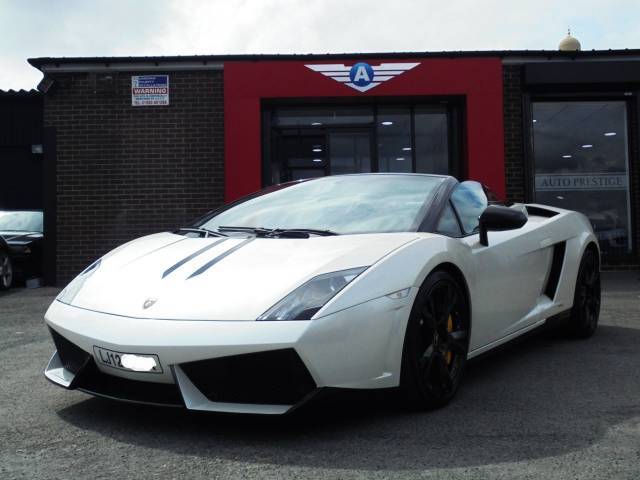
220 278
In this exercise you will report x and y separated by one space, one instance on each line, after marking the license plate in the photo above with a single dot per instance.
129 362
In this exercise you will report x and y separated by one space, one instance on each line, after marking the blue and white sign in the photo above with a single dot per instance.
362 76
149 90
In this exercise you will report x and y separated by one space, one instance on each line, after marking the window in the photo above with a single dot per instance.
581 163
448 223
323 116
432 140
347 204
319 140
350 152
394 139
21 221
470 201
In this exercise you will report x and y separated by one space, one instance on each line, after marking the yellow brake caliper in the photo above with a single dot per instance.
449 330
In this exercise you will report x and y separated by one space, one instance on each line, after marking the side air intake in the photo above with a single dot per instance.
556 269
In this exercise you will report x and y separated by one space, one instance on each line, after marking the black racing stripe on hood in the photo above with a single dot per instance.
192 256
210 263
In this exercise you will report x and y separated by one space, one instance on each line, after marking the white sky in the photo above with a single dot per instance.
71 28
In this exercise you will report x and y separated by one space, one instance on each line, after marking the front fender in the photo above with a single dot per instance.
404 267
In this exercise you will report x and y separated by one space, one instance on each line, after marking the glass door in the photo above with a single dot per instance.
349 151
318 140
301 155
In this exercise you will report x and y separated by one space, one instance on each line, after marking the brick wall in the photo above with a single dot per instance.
513 135
123 171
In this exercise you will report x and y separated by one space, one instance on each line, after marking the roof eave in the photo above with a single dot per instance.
212 62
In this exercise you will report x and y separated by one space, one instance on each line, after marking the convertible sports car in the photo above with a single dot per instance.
355 282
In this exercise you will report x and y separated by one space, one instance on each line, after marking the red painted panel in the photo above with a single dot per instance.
479 80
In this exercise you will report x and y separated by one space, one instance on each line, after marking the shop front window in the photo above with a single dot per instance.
312 141
581 163
431 140
395 149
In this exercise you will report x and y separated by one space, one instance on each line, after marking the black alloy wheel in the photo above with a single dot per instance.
6 271
436 342
586 301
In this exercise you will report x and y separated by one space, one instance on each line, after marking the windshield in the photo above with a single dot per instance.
342 204
21 221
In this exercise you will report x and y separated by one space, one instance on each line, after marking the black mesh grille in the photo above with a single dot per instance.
274 377
73 357
92 380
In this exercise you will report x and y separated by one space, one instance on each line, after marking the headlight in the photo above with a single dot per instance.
69 293
307 299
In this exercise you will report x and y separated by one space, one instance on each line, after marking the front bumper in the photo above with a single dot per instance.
233 366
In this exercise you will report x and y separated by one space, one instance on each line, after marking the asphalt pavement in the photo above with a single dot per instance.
546 407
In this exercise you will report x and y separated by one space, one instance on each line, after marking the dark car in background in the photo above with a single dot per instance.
21 232
6 267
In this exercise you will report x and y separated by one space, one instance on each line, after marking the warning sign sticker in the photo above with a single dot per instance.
149 90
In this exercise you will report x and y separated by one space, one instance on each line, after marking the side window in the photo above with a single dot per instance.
448 223
470 201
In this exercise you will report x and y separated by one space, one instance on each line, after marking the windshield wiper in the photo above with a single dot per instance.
308 231
279 232
259 231
200 230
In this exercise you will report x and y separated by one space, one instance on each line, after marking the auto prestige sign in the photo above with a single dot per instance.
149 90
586 181
362 76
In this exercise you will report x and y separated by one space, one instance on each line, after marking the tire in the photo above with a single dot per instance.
585 312
436 343
6 271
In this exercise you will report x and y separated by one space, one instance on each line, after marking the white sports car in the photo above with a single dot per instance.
351 282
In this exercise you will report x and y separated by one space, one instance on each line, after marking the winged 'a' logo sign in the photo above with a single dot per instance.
362 76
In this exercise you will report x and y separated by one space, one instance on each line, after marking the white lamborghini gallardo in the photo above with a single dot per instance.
355 282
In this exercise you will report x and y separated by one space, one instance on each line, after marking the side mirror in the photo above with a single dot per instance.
498 218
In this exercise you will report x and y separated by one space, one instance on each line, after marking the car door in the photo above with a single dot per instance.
510 272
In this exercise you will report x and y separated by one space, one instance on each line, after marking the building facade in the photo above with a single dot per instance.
150 143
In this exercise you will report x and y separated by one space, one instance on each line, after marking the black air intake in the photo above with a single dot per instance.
276 377
73 358
92 380
557 262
